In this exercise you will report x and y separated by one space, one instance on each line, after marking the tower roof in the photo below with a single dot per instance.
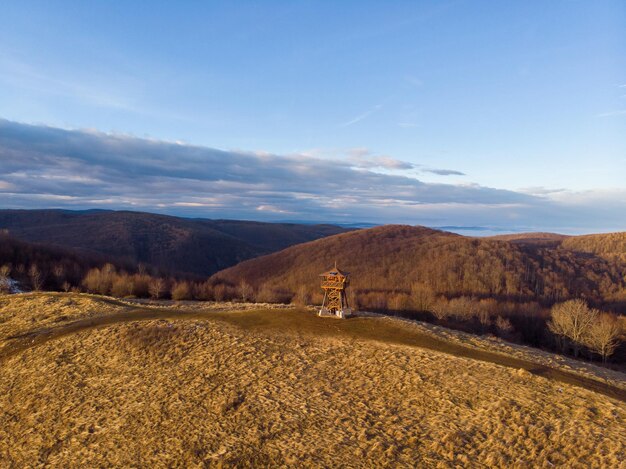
335 271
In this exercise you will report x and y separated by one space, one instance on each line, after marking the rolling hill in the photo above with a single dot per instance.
395 259
608 246
171 244
545 239
267 388
55 264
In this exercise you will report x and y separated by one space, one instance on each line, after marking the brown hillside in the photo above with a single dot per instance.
609 245
546 239
395 259
173 244
70 265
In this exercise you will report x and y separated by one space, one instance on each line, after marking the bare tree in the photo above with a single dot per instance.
572 319
604 335
484 317
156 288
422 297
461 308
504 326
219 292
58 270
181 291
122 285
5 284
439 309
36 277
245 290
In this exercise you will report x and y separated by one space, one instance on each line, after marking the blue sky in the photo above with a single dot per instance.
519 100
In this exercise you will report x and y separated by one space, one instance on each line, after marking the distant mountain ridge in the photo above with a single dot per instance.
194 246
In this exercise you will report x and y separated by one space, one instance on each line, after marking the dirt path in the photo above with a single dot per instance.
302 322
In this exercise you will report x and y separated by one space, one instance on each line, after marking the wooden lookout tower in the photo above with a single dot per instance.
334 283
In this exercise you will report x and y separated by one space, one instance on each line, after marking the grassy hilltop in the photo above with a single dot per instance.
205 387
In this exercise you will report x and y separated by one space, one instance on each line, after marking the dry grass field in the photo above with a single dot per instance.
275 388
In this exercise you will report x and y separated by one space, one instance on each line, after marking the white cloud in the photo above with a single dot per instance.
48 167
363 158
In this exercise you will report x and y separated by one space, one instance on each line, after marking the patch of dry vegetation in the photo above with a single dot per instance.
33 311
20 313
236 391
522 352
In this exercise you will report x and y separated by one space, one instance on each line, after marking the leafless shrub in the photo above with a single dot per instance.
181 291
59 271
36 277
100 280
572 320
604 335
5 271
156 288
219 292
67 286
269 294
141 285
439 309
375 300
504 326
489 305
484 317
245 291
203 291
461 308
122 286
422 297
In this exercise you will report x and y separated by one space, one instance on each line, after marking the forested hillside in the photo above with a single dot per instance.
176 245
392 261
609 246
37 266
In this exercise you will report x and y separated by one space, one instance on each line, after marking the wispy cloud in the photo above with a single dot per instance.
363 116
20 74
363 158
445 172
49 167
